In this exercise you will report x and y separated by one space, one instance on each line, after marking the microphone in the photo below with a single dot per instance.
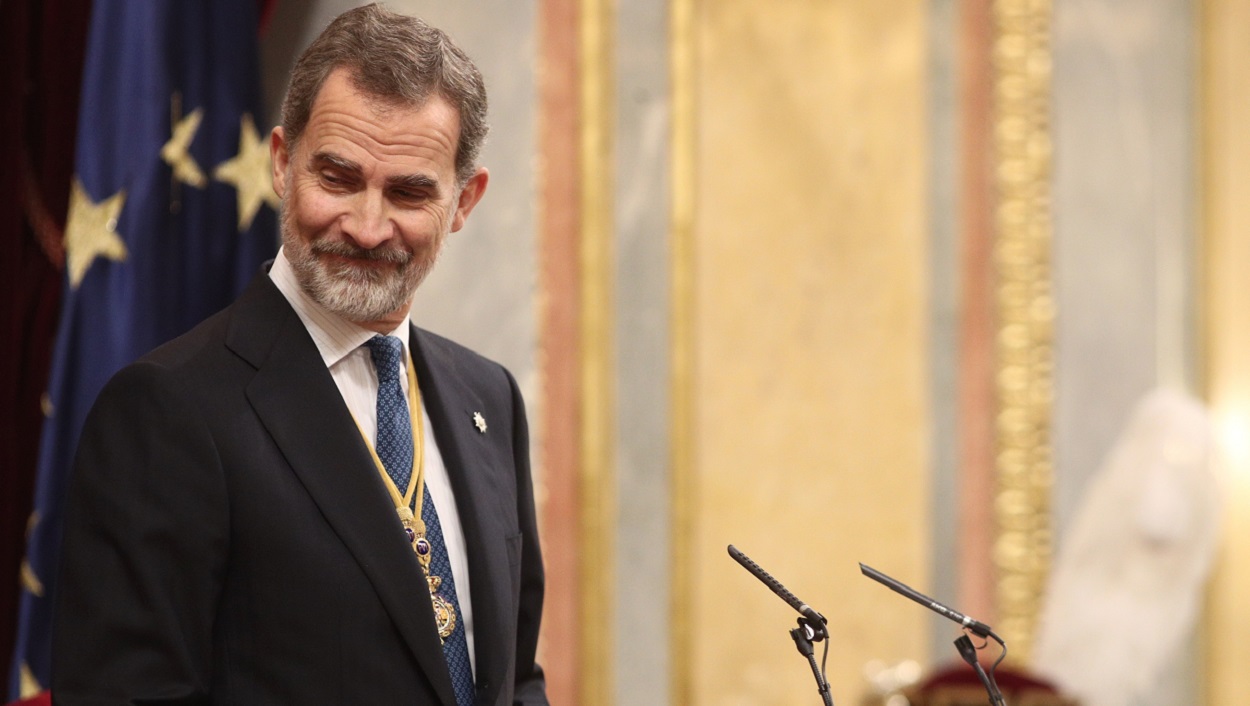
816 619
981 629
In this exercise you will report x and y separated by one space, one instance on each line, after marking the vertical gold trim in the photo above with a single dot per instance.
598 399
1225 224
1023 463
681 361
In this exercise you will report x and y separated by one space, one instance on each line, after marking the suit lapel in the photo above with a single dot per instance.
451 405
299 404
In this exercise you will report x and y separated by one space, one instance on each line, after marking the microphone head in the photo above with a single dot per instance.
875 575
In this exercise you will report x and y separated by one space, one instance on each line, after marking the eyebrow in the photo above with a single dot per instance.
407 181
321 158
414 181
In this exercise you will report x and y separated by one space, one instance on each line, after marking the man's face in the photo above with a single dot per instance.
368 196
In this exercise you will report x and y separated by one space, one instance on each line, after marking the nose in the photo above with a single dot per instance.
367 223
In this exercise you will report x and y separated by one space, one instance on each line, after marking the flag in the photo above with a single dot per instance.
171 214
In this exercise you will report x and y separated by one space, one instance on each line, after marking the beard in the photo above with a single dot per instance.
358 293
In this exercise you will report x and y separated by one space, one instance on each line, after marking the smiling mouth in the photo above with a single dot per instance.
350 255
357 261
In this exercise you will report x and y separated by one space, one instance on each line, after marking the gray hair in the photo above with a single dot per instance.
397 59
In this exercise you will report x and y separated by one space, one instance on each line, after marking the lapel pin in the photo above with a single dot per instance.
480 422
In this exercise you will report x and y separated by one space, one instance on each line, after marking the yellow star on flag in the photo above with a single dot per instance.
175 152
30 580
250 173
92 232
29 687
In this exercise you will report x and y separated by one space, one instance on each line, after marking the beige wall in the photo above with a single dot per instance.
807 394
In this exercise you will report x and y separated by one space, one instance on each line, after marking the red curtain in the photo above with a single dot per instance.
41 54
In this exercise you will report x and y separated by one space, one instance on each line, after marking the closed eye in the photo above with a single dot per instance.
410 196
334 172
412 189
332 178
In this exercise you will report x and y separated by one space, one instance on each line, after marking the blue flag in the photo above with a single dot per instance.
171 214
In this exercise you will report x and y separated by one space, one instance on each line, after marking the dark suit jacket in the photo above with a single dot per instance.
228 539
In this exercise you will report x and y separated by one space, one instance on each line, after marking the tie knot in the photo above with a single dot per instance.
386 352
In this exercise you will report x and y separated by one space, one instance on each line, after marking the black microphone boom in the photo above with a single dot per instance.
818 621
812 626
981 629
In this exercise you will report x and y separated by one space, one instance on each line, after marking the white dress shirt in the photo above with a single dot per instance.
340 343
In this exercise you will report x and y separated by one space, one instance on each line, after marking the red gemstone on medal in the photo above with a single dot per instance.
412 536
422 546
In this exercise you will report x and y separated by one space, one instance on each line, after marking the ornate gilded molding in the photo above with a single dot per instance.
1025 309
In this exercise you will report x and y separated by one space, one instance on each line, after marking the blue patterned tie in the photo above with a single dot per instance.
394 448
455 647
394 443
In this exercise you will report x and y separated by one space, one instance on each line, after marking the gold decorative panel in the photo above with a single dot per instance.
800 338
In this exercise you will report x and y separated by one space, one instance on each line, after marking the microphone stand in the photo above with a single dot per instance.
969 654
811 626
804 635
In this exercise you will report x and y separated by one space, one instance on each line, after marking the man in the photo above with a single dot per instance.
305 499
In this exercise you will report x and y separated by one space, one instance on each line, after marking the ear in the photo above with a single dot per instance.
279 159
472 192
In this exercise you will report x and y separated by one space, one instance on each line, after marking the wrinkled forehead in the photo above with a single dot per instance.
344 86
382 135
346 81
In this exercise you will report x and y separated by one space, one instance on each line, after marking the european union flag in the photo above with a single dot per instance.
167 223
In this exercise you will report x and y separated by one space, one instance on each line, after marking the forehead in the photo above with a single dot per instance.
372 132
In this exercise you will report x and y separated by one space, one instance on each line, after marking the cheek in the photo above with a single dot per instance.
423 230
312 210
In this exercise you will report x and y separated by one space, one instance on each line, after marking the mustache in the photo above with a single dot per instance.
391 255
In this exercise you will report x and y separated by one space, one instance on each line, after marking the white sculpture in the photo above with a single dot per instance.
1127 583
